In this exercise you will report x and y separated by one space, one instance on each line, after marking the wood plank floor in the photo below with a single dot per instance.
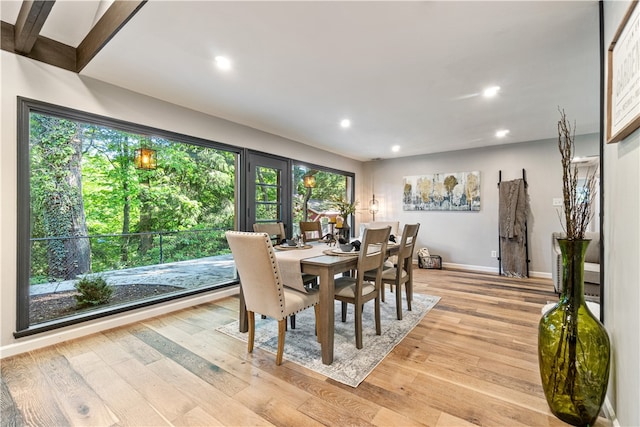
471 361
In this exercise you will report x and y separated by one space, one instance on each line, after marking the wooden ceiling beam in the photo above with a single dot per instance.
31 18
118 14
45 50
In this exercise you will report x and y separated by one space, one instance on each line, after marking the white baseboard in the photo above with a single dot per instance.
468 267
485 269
34 342
540 274
610 413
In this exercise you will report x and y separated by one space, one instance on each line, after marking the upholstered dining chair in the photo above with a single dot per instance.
402 272
275 230
311 231
358 290
262 288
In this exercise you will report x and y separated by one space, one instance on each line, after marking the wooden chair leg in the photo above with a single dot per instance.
357 308
293 321
409 288
377 316
251 319
282 325
398 302
316 309
344 311
383 290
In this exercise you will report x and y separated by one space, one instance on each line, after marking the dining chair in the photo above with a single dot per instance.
402 272
356 289
275 230
391 261
261 286
311 231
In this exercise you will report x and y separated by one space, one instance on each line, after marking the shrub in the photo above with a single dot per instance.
93 291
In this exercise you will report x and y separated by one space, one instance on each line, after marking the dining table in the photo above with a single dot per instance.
318 259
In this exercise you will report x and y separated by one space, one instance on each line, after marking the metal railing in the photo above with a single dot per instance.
63 257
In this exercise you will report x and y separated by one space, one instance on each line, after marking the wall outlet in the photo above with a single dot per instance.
493 254
557 201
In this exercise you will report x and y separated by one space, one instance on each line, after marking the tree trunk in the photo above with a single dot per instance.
126 224
305 205
146 239
70 255
123 163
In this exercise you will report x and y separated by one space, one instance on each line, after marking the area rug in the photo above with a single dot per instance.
350 366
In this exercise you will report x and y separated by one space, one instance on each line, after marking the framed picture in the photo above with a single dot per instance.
623 83
452 191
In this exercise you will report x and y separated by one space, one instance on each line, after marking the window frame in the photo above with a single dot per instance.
350 192
27 106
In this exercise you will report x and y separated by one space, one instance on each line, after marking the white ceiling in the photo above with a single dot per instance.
405 73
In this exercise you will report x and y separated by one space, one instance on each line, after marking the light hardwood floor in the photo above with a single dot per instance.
471 361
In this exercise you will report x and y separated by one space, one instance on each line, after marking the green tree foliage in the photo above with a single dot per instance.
192 187
110 183
329 186
187 202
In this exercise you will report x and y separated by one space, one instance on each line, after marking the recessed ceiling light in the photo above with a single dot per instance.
491 91
395 148
502 133
223 62
345 123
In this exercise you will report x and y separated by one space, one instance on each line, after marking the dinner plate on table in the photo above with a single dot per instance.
340 252
288 248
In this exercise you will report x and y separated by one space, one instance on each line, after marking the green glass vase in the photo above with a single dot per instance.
573 346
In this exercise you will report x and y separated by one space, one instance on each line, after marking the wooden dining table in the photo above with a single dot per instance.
326 267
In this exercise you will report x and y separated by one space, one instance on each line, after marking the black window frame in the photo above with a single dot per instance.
352 193
26 106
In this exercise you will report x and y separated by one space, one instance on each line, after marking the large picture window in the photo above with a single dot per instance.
113 216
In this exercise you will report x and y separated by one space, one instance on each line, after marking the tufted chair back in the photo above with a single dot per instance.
257 267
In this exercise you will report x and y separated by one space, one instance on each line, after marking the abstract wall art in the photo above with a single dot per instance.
456 191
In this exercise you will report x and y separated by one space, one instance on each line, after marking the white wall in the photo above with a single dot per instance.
31 79
466 239
622 257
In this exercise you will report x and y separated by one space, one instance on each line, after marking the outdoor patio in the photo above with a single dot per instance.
185 274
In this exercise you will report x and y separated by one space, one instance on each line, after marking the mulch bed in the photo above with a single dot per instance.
45 307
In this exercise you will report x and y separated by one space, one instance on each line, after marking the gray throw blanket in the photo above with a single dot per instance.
513 211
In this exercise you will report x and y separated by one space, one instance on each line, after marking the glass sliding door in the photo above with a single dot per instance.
267 190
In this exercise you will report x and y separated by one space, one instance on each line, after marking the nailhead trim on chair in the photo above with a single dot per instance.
274 264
